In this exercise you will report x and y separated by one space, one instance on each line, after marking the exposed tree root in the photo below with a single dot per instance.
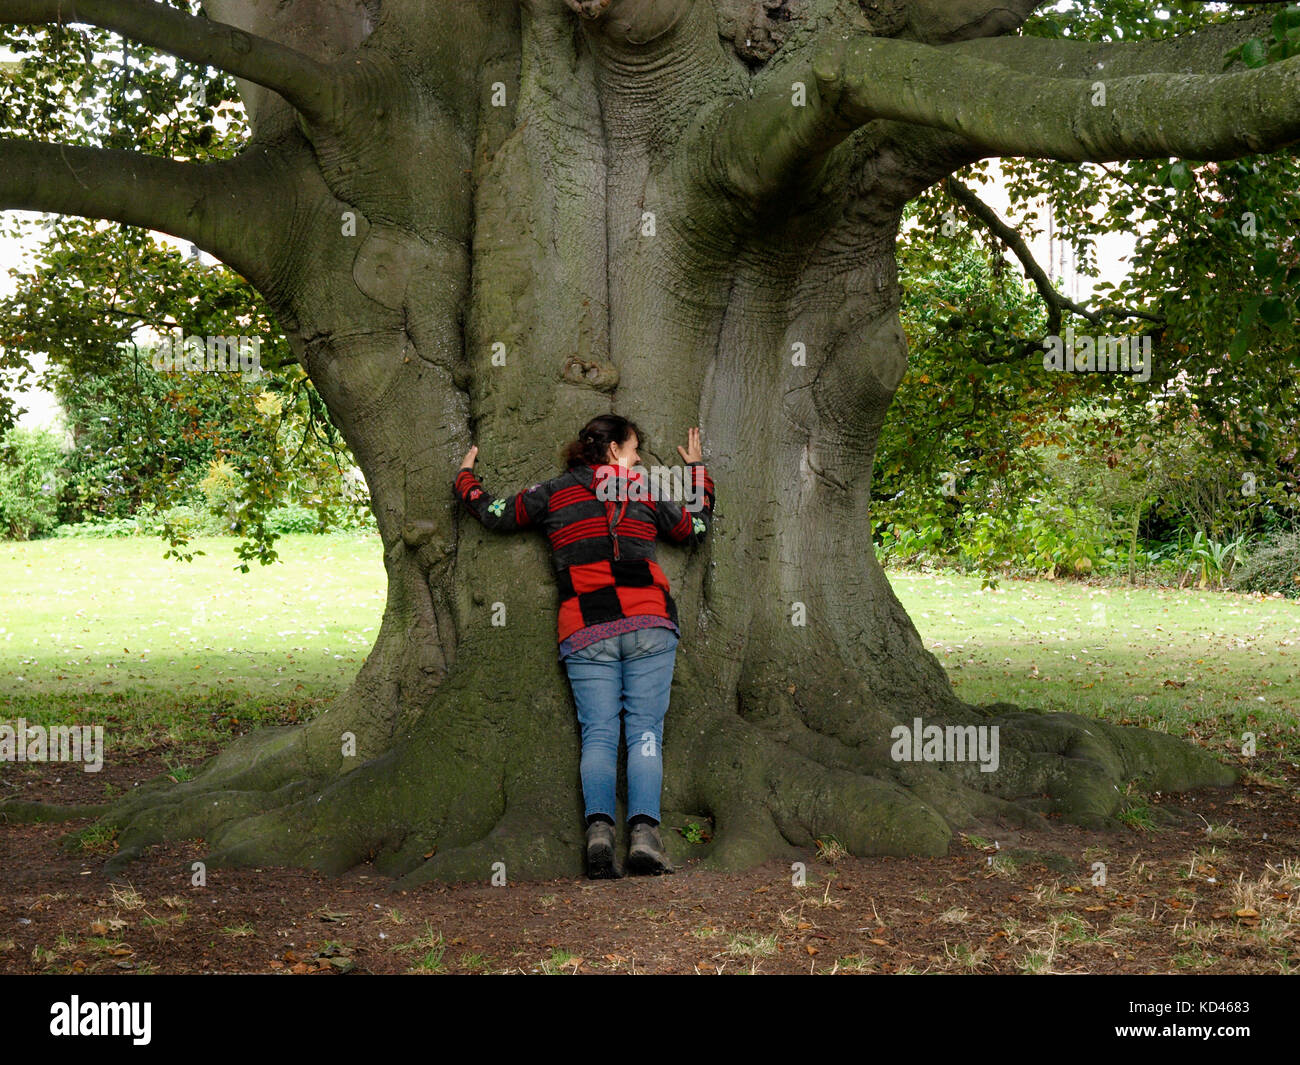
449 801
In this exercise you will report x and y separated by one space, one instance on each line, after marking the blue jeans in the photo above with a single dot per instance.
631 673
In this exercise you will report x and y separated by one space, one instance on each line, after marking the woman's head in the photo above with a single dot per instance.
606 438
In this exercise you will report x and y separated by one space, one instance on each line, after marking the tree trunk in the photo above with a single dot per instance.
595 245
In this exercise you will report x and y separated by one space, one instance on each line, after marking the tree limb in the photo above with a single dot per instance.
303 81
1005 113
1012 96
1199 51
941 21
208 204
1057 302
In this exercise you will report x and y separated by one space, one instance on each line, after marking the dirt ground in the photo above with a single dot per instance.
1216 892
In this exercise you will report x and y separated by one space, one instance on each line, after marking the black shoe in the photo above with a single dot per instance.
600 852
645 854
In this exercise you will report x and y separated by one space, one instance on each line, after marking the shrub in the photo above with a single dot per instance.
221 490
31 479
293 519
98 528
1273 566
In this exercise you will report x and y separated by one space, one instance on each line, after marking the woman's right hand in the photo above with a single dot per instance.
470 456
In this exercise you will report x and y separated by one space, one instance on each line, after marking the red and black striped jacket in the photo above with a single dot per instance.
603 549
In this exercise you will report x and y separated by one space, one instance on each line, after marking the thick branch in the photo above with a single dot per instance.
939 21
765 146
1196 52
208 204
1057 302
1005 113
300 79
770 141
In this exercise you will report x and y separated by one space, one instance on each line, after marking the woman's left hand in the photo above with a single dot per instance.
470 456
693 451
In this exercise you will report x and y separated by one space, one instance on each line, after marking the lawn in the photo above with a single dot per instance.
109 631
1217 664
90 626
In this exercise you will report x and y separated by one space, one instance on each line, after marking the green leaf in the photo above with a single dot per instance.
1285 22
1273 311
1266 263
1254 52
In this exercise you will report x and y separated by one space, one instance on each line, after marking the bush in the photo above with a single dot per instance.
189 521
192 521
1273 566
31 479
221 490
293 519
98 528
1038 537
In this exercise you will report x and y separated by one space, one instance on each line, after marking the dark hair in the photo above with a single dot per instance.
592 446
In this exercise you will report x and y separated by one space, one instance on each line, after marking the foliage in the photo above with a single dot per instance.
1273 565
97 295
221 491
191 522
979 428
31 475
145 437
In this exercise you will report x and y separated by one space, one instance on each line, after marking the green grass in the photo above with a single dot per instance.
1138 815
1181 660
431 947
109 632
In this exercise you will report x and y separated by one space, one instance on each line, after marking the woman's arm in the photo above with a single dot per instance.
521 511
689 523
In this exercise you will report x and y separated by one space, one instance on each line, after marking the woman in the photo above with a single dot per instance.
617 623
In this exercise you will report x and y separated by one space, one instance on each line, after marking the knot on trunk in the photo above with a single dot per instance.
598 375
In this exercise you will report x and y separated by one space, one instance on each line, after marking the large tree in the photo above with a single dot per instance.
484 221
